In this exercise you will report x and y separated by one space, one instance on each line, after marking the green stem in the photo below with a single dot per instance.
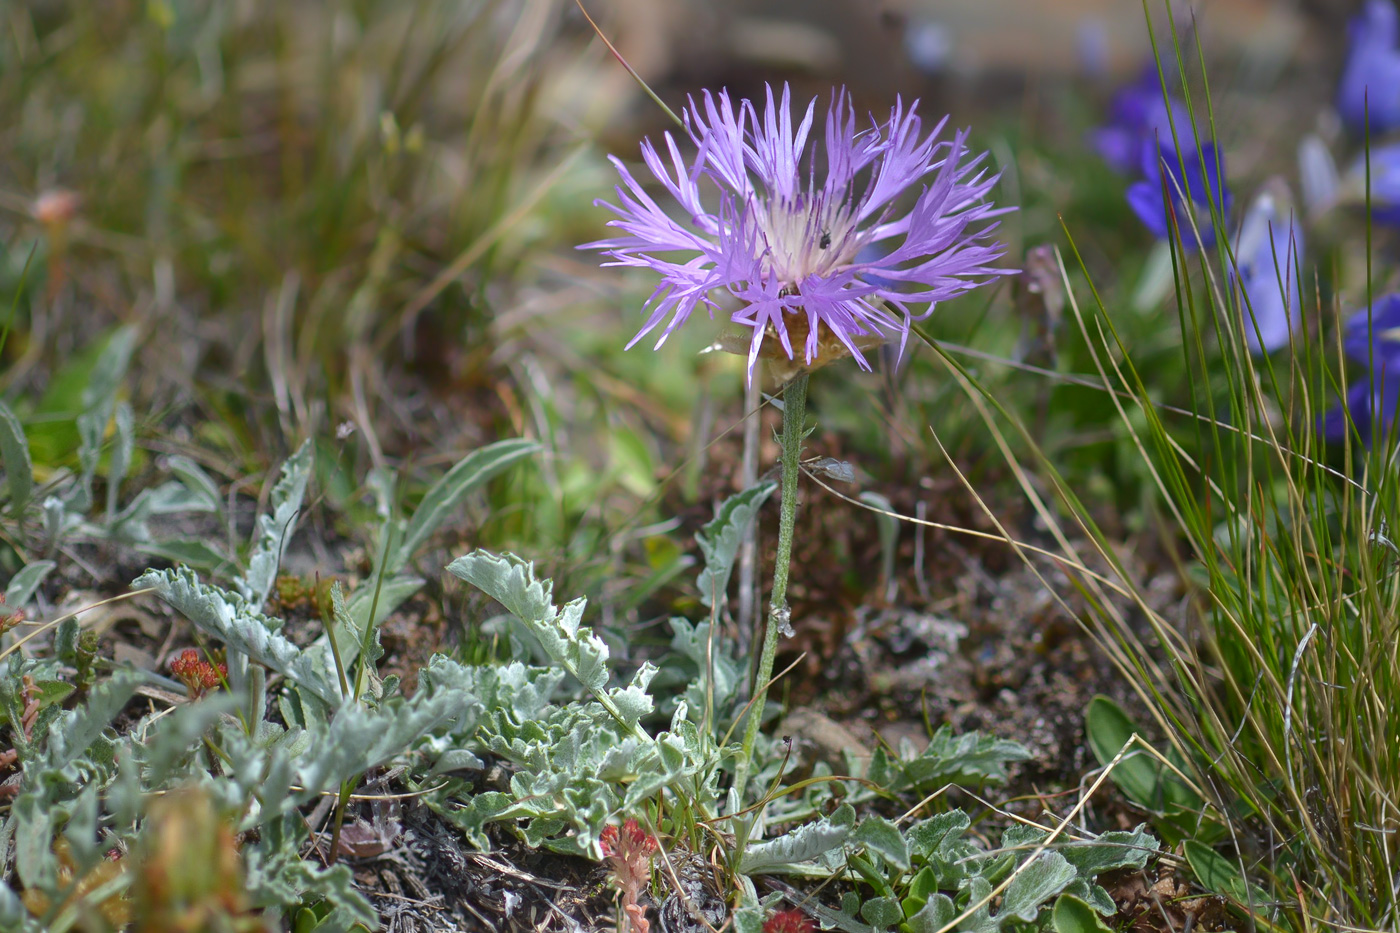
794 413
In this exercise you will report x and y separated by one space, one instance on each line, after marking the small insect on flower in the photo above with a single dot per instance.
793 250
788 921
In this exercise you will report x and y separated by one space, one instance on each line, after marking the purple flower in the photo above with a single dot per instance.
1374 339
1362 407
1267 252
1370 85
787 245
1385 183
1139 120
1202 185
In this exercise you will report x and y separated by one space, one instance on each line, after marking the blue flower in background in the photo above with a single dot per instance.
1385 184
1139 120
1370 85
1267 253
1384 399
1374 340
1202 184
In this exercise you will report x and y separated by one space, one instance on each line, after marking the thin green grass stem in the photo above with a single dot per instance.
794 414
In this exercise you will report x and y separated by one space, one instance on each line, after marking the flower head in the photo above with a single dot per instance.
1370 407
788 921
781 226
197 674
1202 184
1370 86
1140 118
56 207
1267 251
630 842
1372 338
630 851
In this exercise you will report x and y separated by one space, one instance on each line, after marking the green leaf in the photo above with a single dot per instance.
1144 778
203 488
878 834
110 367
177 734
393 593
1036 883
77 730
360 738
936 914
749 919
719 540
447 493
195 552
98 401
510 581
1072 915
1109 730
119 463
275 528
34 859
24 584
801 845
693 643
227 617
1111 851
970 758
882 913
931 836
14 454
888 526
1218 874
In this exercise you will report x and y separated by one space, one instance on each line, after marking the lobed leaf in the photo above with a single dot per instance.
228 617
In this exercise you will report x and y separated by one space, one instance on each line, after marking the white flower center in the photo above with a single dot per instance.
807 235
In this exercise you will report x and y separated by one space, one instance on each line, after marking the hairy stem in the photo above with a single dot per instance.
794 413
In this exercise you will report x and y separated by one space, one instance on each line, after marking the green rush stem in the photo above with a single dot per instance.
794 413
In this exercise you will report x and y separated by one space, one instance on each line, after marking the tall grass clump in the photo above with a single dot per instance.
1272 686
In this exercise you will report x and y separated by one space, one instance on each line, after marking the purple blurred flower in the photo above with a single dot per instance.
1372 339
1384 398
1267 252
1201 187
1370 85
1139 120
1385 183
788 247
